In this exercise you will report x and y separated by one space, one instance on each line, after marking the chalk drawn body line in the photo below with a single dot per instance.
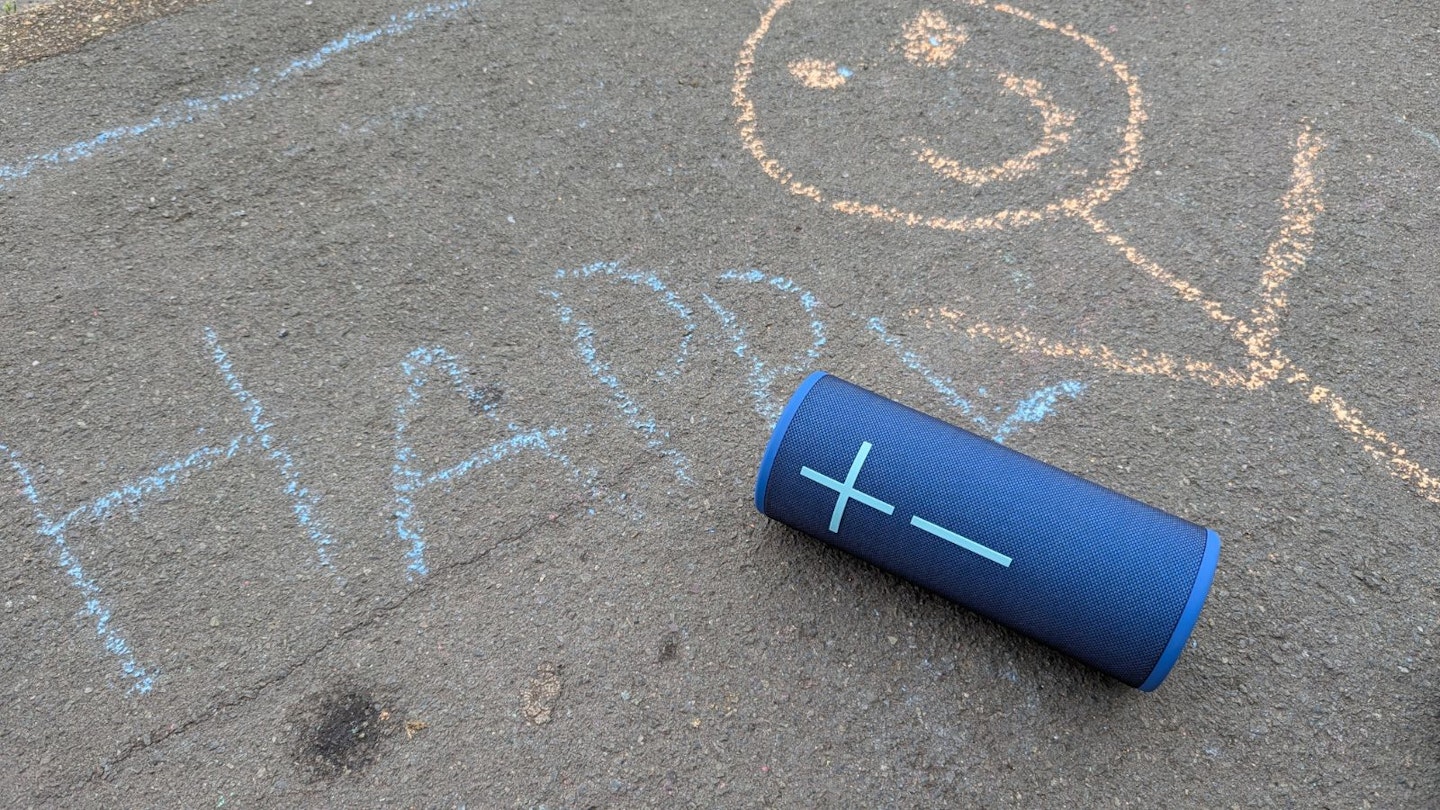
1284 257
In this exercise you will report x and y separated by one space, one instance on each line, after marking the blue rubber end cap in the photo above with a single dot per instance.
1189 616
772 448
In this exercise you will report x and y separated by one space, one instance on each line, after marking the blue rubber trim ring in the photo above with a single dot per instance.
776 436
1190 615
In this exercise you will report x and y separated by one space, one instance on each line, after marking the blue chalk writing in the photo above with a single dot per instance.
409 481
164 477
630 409
648 281
142 679
303 502
410 477
1037 406
912 362
1033 408
158 480
763 375
193 109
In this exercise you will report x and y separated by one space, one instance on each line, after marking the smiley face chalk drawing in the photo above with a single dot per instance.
961 135
916 78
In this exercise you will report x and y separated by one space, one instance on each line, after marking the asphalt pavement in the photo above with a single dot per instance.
384 387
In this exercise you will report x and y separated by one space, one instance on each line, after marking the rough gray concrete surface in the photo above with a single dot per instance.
384 386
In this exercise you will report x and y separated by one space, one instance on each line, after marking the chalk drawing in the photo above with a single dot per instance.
631 410
1029 410
1427 135
303 503
132 496
933 41
762 374
194 109
96 607
820 74
408 481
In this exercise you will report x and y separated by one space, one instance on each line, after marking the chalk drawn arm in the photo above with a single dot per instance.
1285 256
1289 250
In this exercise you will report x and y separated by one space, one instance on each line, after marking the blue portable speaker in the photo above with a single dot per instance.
1094 574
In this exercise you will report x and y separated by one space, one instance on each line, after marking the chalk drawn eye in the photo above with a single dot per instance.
819 74
931 41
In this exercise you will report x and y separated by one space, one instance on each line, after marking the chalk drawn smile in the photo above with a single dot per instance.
931 41
1056 126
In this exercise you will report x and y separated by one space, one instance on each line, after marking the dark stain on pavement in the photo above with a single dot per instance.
341 732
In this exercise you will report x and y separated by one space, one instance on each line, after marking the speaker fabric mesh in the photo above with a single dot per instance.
1086 570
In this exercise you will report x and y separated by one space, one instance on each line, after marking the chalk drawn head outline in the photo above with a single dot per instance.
928 40
935 41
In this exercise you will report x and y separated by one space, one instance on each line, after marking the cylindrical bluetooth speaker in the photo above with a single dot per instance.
1088 571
